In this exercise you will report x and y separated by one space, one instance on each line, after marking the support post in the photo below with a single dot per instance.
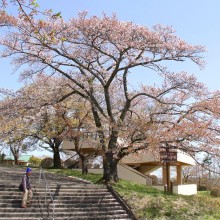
179 175
171 187
168 176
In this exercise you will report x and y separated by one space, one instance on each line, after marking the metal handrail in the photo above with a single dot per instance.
47 189
69 158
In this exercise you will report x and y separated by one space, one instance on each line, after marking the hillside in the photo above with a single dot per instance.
149 203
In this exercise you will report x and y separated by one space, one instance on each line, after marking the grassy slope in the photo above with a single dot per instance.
149 203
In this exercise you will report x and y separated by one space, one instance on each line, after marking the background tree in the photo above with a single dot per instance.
44 118
207 161
12 130
189 174
2 154
82 128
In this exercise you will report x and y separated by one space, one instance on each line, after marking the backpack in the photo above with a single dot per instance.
21 188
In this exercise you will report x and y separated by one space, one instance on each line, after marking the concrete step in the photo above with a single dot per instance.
42 189
59 193
30 208
15 204
57 213
69 198
72 199
62 201
106 217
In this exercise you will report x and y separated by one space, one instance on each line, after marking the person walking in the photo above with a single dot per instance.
27 191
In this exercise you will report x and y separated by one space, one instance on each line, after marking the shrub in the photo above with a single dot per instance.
201 188
215 191
35 161
154 179
47 162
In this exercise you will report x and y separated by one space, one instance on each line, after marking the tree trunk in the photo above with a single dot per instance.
82 157
84 164
56 154
16 159
110 172
109 163
56 160
15 152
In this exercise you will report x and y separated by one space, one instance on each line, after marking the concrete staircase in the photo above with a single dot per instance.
71 198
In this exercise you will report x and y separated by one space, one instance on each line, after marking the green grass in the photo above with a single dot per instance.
148 203
127 187
94 178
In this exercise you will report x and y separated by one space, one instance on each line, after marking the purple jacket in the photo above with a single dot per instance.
26 182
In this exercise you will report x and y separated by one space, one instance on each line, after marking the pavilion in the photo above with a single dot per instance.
139 168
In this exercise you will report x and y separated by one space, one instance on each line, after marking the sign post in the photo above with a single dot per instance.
166 158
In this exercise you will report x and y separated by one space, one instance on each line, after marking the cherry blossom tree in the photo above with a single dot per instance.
58 120
96 56
35 113
80 131
11 135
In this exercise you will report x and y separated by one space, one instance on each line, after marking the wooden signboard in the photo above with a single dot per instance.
167 156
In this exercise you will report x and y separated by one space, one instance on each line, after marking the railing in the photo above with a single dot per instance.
122 202
69 158
148 180
47 189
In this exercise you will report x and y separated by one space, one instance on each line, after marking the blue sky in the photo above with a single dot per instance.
197 22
